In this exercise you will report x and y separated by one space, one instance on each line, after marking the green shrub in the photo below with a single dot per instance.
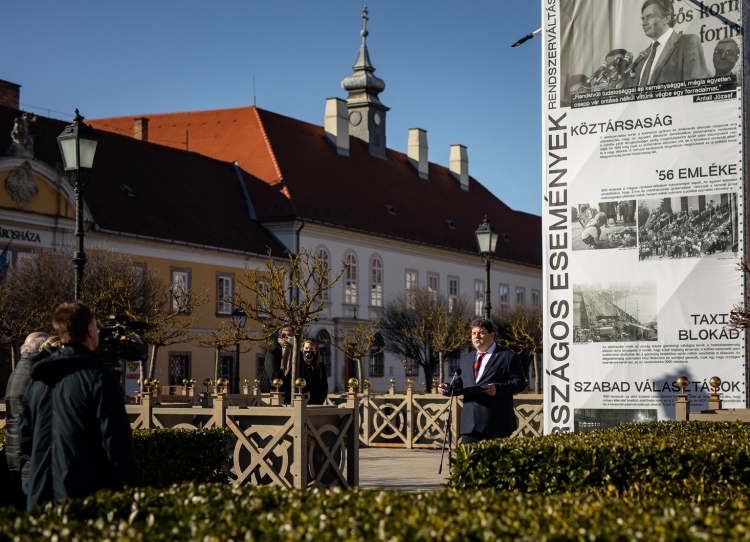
2 438
173 456
166 457
219 512
692 460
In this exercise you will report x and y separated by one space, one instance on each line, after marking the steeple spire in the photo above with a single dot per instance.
366 112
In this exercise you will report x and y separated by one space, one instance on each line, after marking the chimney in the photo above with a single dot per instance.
417 151
337 125
10 94
140 128
459 165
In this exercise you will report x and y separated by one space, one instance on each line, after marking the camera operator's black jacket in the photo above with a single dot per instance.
74 428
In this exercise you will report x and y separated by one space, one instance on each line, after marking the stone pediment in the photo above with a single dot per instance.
33 186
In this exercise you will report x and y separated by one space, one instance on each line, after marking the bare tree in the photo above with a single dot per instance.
409 324
113 284
448 328
219 339
521 329
358 342
286 293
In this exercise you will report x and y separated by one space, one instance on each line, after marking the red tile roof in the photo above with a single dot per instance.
292 171
179 196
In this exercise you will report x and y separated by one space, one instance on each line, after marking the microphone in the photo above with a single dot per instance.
638 59
456 374
597 73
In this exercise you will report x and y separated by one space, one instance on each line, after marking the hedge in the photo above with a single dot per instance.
700 461
173 456
219 512
166 457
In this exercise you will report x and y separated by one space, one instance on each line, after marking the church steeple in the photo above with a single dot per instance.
366 111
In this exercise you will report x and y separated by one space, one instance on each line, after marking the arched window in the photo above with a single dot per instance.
323 257
376 282
324 345
350 282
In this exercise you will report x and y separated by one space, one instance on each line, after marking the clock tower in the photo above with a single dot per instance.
366 111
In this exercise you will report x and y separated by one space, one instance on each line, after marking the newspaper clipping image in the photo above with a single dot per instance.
643 124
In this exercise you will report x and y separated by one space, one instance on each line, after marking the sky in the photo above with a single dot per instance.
447 64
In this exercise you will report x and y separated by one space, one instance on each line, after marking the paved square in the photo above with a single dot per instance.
398 468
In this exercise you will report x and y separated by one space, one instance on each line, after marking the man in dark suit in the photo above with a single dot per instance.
497 371
672 57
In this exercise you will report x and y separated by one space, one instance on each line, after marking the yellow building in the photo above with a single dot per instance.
183 214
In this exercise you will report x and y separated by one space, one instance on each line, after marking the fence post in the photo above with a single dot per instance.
682 408
352 439
220 410
366 421
409 414
146 405
300 468
456 423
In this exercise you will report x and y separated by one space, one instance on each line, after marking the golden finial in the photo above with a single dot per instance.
300 383
715 383
353 383
682 382
277 383
257 381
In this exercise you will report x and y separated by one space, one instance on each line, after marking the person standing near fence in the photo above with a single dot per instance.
74 427
498 372
314 372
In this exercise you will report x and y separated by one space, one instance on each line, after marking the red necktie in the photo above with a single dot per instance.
478 364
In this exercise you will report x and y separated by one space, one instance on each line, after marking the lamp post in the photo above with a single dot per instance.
239 319
487 241
78 147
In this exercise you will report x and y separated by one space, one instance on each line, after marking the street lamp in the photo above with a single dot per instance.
239 319
78 147
487 241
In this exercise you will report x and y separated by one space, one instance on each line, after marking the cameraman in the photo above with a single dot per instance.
74 427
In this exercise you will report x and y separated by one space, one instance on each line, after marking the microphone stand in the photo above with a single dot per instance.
447 433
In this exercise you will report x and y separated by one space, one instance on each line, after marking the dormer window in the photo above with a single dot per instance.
391 209
127 190
504 236
450 223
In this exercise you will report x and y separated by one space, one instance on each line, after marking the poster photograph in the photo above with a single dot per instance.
643 189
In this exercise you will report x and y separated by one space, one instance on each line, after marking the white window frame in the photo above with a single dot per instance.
224 307
433 284
536 298
323 254
376 281
504 290
453 294
350 279
478 298
180 283
520 301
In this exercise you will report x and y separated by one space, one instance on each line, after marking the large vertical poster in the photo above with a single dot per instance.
643 207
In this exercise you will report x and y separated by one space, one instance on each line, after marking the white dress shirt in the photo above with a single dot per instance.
485 359
663 39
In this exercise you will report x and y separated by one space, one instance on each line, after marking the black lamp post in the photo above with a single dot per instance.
487 241
239 319
78 147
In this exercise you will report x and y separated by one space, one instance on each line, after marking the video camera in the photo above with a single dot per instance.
116 346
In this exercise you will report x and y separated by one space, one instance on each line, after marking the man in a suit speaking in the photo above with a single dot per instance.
495 375
672 57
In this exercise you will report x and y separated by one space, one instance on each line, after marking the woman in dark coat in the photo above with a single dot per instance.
314 373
